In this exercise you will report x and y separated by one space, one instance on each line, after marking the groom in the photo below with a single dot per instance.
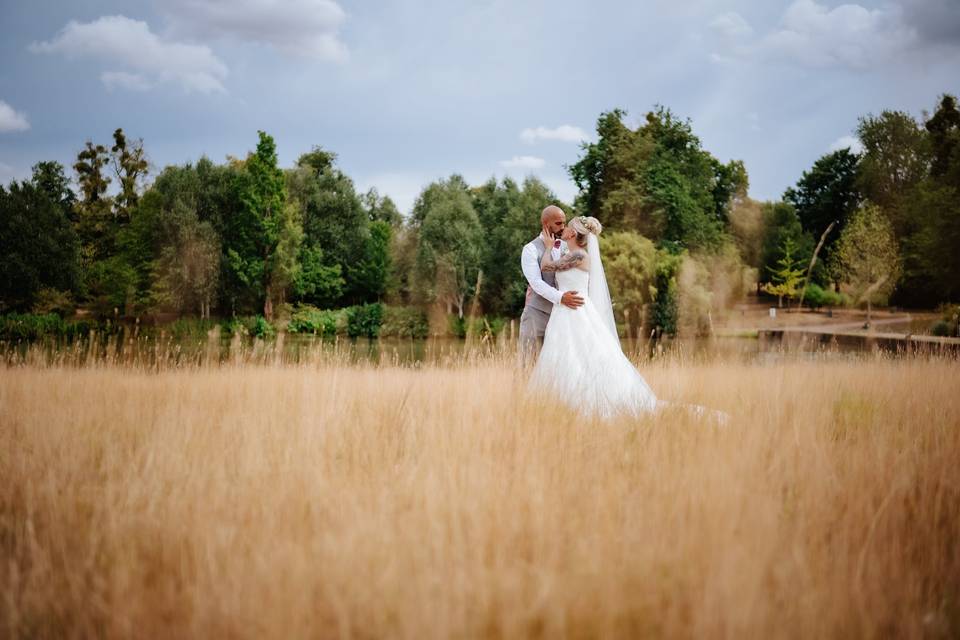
542 293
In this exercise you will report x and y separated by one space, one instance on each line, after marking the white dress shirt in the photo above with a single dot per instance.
530 263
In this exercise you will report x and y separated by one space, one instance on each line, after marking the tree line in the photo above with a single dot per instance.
682 241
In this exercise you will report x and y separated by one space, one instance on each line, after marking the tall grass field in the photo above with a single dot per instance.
337 500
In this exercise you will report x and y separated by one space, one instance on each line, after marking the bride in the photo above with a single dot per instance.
581 356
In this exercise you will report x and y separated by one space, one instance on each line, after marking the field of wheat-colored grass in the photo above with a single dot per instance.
327 500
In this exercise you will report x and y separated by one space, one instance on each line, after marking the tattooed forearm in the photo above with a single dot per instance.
568 261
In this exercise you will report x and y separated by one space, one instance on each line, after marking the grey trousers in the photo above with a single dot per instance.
533 324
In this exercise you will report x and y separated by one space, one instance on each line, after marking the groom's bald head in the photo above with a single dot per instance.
552 213
553 219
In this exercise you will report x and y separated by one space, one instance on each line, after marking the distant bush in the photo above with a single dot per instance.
256 326
191 328
308 319
481 327
487 327
457 326
30 326
54 301
941 329
364 321
949 319
404 322
816 296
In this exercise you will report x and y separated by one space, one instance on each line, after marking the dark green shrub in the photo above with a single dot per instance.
30 326
940 328
487 327
308 319
260 327
457 326
404 322
816 296
363 321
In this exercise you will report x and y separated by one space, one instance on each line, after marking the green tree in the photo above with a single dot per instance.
868 256
944 132
373 271
630 265
263 199
335 223
509 216
94 208
657 180
448 254
826 193
896 157
317 282
37 241
665 303
381 208
781 225
130 166
787 277
188 267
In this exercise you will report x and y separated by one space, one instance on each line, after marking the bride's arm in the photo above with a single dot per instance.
571 260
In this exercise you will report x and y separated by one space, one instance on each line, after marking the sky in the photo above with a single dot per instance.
409 92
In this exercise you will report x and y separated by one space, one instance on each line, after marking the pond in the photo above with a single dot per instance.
165 350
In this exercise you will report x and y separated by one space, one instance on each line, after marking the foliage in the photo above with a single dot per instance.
335 227
657 180
508 214
364 320
826 193
867 255
309 319
30 326
896 157
665 304
381 208
630 266
317 282
404 322
448 254
187 270
781 226
37 242
787 277
191 328
50 300
818 297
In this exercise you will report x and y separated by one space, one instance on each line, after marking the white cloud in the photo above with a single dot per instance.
152 60
300 27
11 120
847 142
815 35
523 162
124 80
731 25
563 133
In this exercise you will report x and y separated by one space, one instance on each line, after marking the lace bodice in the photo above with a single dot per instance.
573 280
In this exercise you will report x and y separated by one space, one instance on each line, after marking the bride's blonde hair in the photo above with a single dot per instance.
584 225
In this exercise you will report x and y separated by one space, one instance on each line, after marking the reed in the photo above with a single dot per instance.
259 498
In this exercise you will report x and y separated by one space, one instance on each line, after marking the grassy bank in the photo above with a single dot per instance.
326 500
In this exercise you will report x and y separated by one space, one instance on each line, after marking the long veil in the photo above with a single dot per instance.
597 288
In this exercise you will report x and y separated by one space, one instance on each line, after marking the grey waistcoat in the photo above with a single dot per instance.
534 299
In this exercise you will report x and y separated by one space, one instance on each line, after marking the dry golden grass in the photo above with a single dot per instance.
345 501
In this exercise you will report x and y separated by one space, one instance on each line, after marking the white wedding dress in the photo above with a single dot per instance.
581 362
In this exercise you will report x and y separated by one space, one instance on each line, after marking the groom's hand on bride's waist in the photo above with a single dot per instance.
571 299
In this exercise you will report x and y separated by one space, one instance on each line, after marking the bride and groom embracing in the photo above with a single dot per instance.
568 307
